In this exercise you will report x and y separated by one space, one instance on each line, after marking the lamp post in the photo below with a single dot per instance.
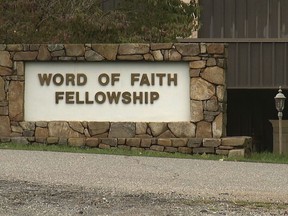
279 103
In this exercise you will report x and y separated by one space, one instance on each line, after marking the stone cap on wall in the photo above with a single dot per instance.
107 52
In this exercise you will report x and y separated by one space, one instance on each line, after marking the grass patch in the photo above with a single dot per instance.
264 157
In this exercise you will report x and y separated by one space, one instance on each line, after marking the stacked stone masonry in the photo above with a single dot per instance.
203 134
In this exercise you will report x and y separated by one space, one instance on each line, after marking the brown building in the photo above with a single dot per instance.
256 31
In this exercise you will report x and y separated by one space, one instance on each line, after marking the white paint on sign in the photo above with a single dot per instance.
107 91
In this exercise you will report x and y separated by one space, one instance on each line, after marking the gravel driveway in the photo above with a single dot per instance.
50 183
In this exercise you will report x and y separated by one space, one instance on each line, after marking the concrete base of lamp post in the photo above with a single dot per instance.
275 125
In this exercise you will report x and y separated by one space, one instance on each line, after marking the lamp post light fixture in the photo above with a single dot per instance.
279 103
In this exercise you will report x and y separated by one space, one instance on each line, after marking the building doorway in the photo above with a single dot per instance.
248 114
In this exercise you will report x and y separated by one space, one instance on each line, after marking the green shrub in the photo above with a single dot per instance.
73 21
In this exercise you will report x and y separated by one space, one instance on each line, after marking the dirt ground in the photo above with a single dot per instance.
25 198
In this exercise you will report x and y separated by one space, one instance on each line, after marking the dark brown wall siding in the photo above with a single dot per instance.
244 19
257 65
256 31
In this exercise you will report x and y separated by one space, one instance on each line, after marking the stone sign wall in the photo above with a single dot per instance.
204 133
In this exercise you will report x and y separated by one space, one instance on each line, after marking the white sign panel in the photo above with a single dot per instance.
107 91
